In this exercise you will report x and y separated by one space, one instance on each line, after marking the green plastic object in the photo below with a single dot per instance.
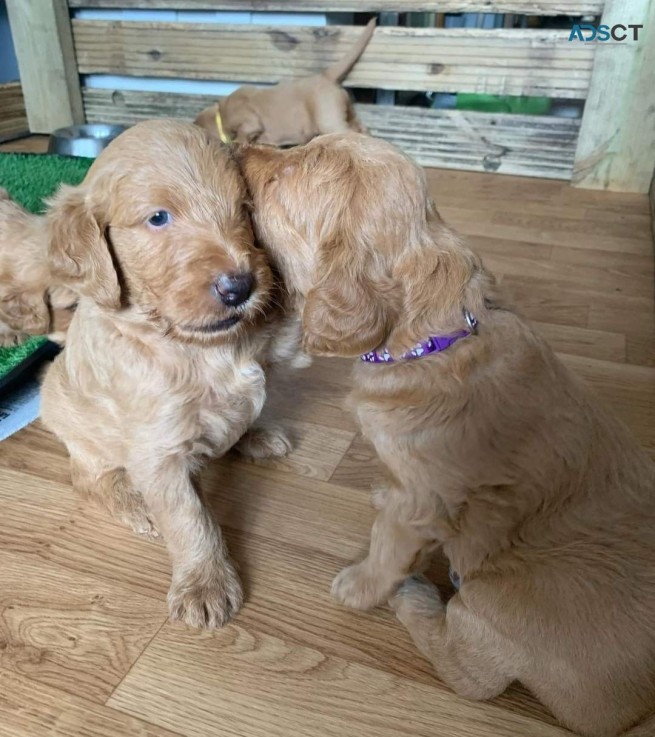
503 104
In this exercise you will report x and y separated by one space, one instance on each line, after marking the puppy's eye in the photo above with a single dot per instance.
160 219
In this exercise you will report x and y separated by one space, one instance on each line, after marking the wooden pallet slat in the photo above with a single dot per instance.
513 144
13 118
499 61
526 7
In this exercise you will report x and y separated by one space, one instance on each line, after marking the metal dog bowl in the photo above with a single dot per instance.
83 140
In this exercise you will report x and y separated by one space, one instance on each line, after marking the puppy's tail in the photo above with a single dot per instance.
338 71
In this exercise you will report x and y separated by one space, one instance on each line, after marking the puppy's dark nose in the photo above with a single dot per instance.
233 289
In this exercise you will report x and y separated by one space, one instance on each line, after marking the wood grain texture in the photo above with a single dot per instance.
68 630
528 7
82 600
46 59
540 146
30 709
13 118
301 691
509 62
616 148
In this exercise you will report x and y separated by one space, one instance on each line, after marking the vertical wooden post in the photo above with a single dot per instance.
616 147
43 41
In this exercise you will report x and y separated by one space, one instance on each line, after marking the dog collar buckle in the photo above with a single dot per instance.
471 321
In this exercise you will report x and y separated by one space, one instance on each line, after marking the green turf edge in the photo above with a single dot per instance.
13 356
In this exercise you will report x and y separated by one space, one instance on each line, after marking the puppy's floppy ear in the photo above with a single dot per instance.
344 313
207 120
78 251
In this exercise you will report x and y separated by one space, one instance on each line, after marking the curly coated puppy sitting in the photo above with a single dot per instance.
163 360
541 500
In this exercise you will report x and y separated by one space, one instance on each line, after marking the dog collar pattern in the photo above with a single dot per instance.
219 127
433 344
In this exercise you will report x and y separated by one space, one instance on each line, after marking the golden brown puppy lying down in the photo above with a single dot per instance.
289 113
162 365
27 288
541 500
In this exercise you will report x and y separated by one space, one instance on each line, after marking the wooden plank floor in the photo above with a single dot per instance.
85 644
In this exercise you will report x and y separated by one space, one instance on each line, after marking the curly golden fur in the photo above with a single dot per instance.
28 291
158 372
541 500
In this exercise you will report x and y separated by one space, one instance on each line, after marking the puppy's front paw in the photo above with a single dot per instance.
264 442
206 599
357 588
9 339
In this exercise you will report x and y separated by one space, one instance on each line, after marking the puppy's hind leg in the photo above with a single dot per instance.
113 490
458 644
334 113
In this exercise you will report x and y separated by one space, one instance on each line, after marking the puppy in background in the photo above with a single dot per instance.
163 365
541 500
28 291
290 113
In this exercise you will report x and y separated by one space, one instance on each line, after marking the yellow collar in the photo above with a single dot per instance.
219 127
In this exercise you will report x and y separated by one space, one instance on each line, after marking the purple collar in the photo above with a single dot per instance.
433 344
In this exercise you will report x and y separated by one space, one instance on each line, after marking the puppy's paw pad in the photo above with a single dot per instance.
356 588
264 442
206 600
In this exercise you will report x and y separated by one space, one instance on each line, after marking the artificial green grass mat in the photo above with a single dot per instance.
30 179
15 355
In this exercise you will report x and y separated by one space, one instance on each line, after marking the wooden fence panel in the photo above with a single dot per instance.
526 7
511 62
510 144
